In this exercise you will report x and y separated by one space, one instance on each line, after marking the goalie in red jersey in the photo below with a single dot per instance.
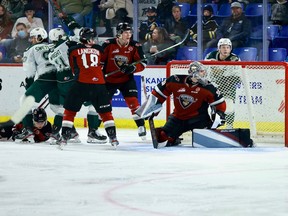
192 95
119 54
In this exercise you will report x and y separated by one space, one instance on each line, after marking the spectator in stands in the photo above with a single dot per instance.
237 28
29 20
147 26
75 8
19 44
6 23
2 55
160 40
279 13
209 27
14 7
176 26
164 10
41 10
114 12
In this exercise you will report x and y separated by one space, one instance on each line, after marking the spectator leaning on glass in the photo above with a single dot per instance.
237 28
29 20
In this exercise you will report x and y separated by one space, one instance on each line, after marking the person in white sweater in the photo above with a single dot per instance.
29 20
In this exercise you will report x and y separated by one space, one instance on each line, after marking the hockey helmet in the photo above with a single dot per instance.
39 115
224 41
87 34
196 70
121 27
57 34
39 33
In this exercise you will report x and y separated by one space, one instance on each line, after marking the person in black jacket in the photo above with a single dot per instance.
208 29
237 28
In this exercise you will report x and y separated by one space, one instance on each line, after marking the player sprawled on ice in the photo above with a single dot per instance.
119 54
192 95
41 128
226 78
65 79
84 59
37 66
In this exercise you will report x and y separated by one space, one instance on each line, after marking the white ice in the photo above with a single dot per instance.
137 180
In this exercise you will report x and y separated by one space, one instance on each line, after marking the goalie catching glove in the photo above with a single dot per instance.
128 69
218 118
149 107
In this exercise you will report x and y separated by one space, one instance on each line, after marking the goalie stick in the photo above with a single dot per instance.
154 54
150 120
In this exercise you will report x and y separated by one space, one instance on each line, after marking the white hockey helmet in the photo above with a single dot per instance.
39 33
56 34
224 41
194 71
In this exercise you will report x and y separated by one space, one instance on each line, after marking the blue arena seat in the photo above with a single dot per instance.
254 9
277 54
224 10
272 31
208 50
185 8
246 53
186 53
281 40
89 20
3 50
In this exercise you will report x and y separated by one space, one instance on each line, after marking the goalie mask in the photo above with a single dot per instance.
198 71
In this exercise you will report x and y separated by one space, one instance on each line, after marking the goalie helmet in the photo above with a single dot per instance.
121 27
224 41
86 34
39 33
39 115
197 70
57 34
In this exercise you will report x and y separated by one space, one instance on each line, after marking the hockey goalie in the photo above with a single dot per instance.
192 95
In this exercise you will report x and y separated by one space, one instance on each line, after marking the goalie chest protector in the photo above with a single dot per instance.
225 138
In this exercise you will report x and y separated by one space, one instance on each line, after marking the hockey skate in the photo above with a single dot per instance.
26 136
114 142
94 136
142 132
66 135
74 137
54 138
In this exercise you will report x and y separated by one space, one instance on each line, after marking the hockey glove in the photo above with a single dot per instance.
29 82
128 69
218 119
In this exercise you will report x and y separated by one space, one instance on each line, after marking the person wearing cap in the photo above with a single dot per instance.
237 28
147 26
29 20
209 27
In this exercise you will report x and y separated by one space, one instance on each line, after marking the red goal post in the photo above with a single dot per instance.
256 100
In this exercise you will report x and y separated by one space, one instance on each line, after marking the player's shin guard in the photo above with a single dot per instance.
110 128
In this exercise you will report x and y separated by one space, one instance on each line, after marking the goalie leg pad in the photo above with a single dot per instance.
149 107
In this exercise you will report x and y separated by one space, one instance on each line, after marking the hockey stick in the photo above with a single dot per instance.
150 120
154 54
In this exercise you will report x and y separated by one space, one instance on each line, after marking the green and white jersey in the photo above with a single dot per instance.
36 62
59 57
215 55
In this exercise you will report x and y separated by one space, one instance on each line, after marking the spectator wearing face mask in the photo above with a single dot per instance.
209 27
147 26
19 44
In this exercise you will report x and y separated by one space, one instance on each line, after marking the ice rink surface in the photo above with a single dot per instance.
137 180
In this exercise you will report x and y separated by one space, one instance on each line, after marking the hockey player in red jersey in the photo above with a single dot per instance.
119 54
192 95
84 60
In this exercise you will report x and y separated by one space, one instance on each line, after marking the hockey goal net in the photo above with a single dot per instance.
255 94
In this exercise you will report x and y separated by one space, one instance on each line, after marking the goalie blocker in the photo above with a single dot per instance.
221 138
